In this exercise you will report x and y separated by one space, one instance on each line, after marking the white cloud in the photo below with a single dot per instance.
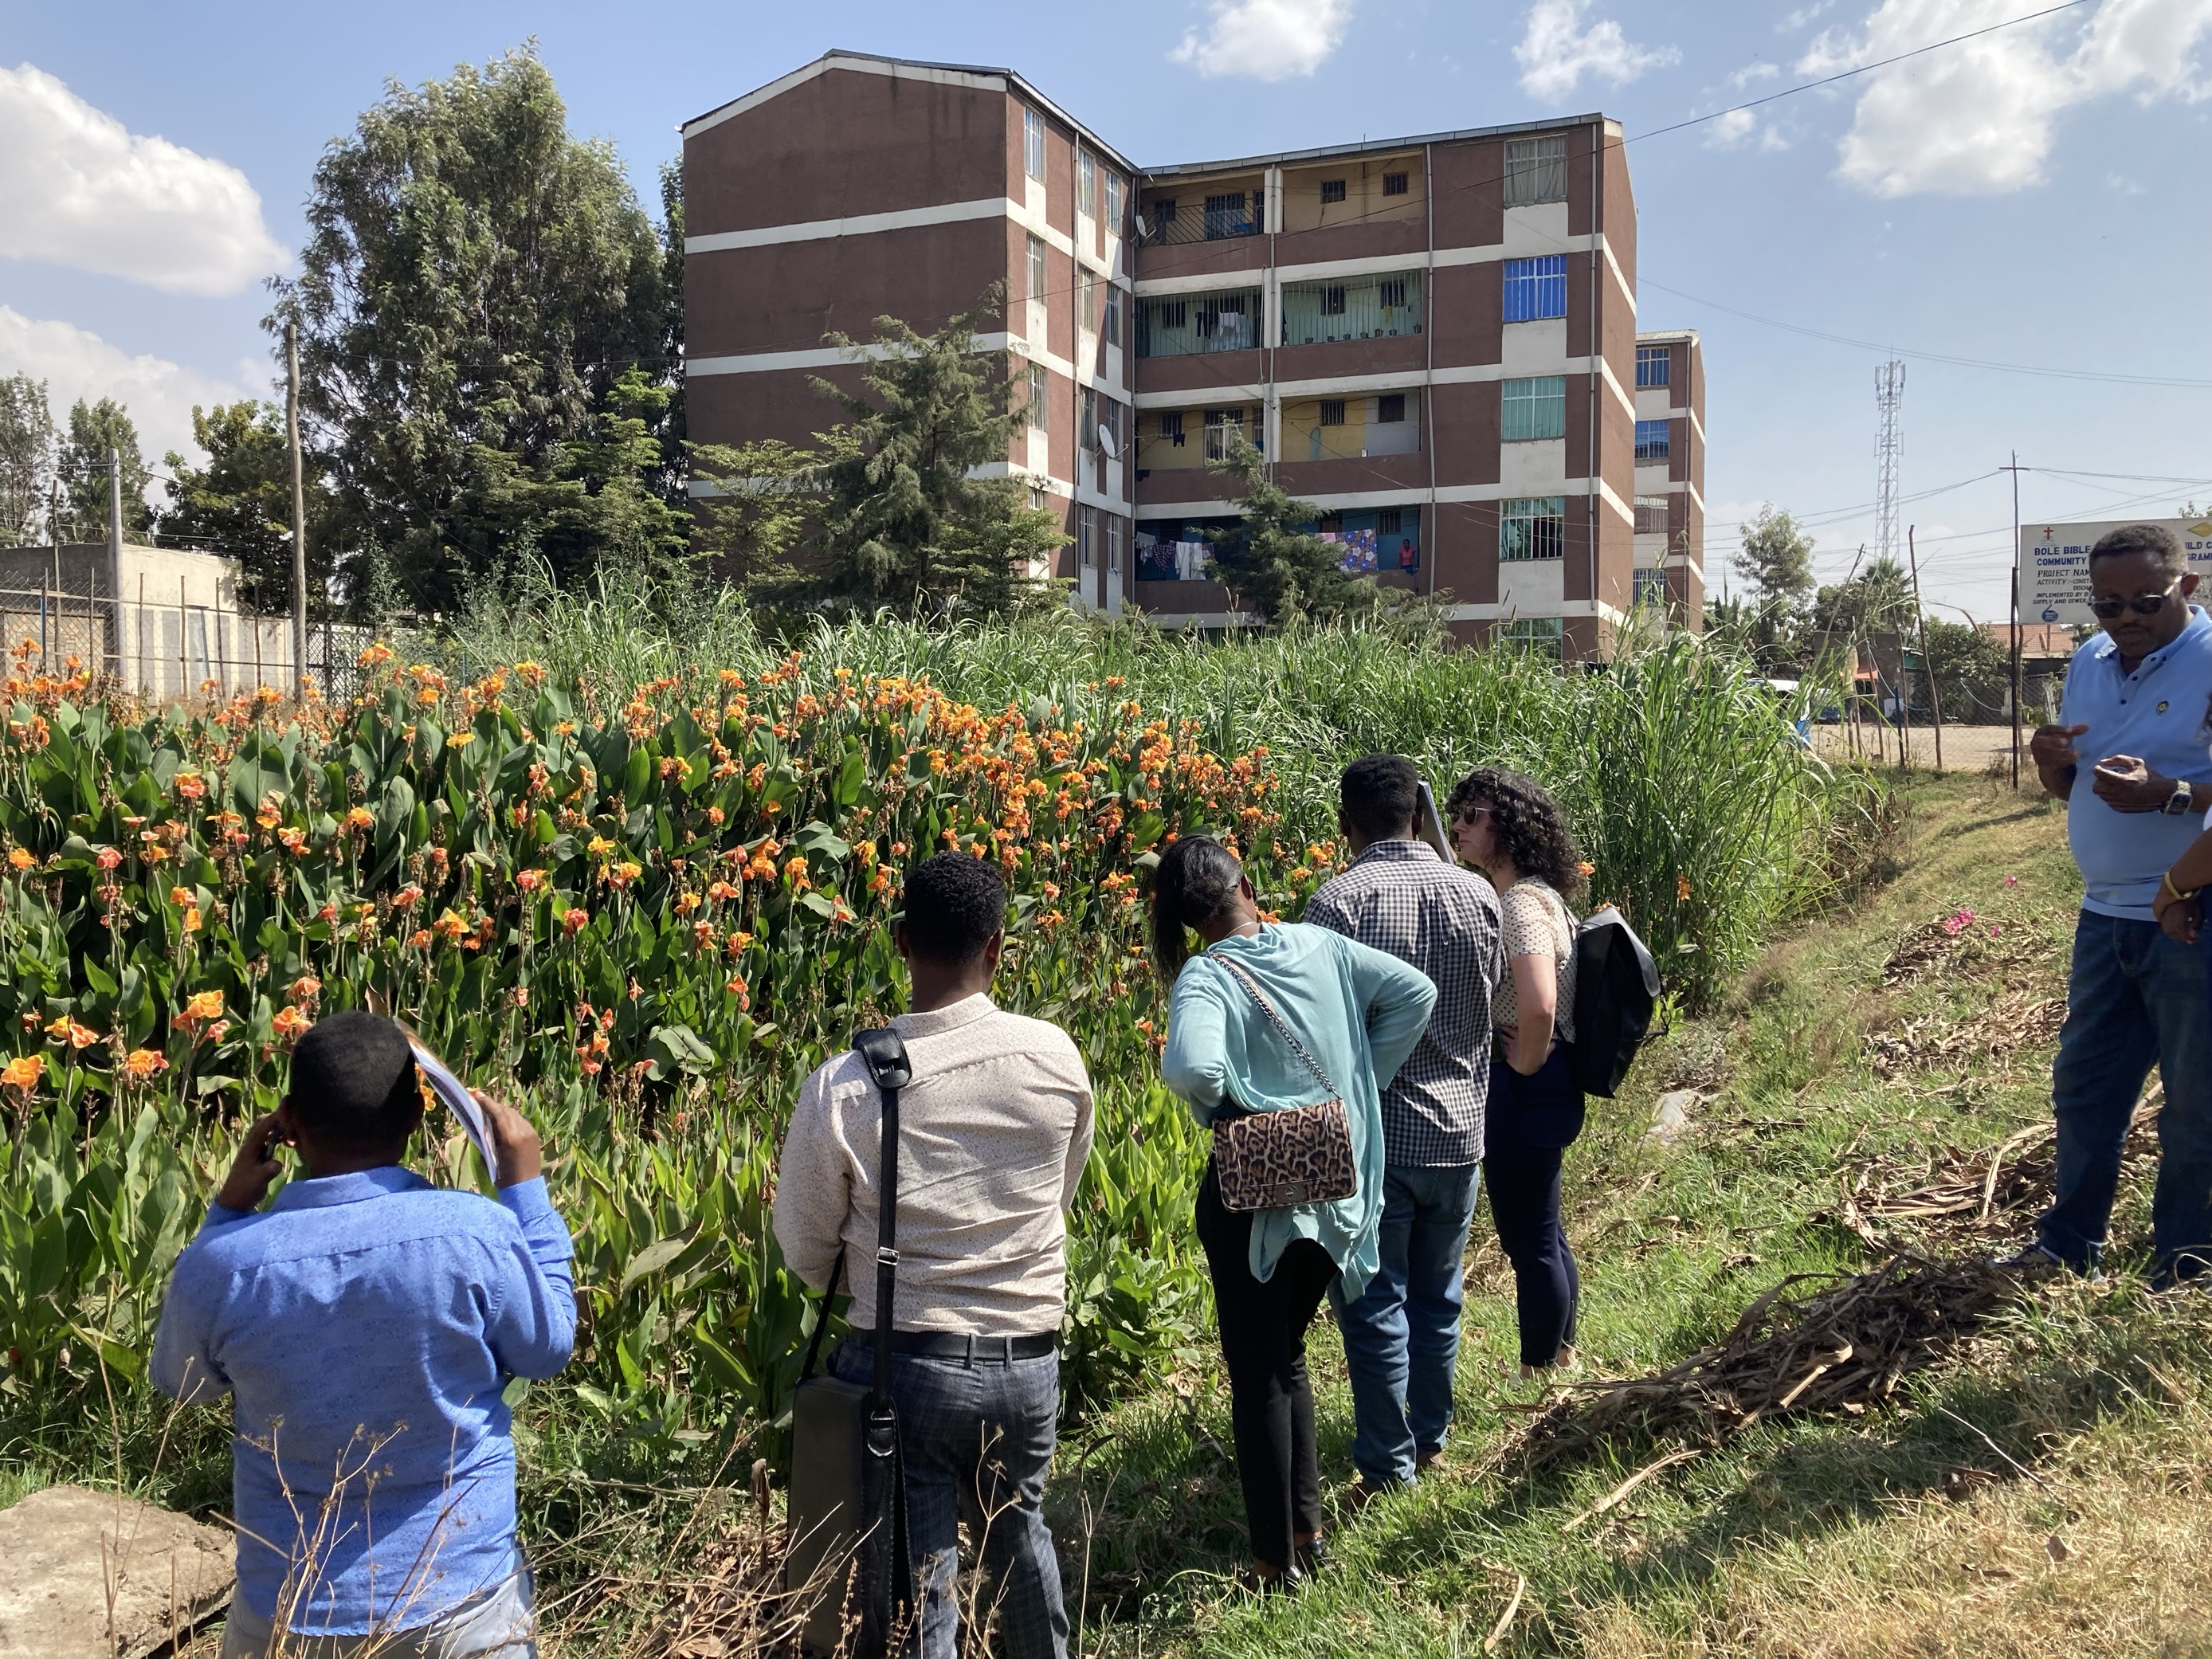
79 189
1267 40
1751 73
1733 127
1554 54
159 394
1976 119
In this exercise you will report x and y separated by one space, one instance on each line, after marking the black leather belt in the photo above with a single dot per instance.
958 1345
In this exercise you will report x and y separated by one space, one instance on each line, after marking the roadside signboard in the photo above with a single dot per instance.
2054 565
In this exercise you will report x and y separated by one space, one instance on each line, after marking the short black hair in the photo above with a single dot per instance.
1379 794
2154 541
354 1082
954 902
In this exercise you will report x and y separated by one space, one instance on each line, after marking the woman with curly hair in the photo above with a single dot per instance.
1509 827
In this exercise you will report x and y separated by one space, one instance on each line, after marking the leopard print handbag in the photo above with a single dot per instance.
1291 1156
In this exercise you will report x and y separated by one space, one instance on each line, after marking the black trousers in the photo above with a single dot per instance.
1525 1203
1263 1343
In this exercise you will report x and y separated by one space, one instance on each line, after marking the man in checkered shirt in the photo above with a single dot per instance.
1402 1337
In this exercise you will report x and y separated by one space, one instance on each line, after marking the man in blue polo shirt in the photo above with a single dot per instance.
2129 759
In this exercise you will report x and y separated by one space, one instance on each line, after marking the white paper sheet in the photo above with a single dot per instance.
460 1102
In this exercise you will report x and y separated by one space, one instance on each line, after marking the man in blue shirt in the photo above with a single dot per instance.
2139 695
366 1325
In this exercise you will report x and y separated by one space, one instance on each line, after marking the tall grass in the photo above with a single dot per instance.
1707 819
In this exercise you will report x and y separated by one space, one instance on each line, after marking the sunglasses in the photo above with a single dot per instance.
1468 815
2145 604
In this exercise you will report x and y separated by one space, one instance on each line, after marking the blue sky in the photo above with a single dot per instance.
2040 195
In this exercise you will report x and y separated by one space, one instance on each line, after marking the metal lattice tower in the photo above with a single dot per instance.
1888 402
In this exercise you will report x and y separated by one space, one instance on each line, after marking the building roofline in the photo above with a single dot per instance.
1366 147
871 62
1689 334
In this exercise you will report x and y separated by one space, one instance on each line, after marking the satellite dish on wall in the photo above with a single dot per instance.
1106 443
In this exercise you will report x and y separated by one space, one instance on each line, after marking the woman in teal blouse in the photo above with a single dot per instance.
1359 1012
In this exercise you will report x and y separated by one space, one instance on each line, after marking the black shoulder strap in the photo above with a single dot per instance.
885 1054
822 1317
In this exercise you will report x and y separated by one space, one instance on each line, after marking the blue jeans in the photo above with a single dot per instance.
977 1441
2134 997
1401 1336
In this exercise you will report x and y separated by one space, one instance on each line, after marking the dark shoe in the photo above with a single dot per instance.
1312 1555
1424 1462
1360 1495
2036 1258
1261 1580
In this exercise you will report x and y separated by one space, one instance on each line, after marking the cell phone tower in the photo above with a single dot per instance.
1888 402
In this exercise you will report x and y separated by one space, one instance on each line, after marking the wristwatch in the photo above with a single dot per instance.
2178 801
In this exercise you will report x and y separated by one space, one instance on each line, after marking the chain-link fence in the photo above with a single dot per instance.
178 652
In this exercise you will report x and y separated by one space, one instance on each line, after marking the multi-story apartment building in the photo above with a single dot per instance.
1431 339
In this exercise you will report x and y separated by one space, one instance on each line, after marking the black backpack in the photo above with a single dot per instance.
1616 991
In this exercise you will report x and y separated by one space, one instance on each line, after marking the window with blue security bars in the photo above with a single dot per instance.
1535 289
1535 407
1651 440
1654 365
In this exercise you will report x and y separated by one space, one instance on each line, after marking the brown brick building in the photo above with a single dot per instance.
1432 339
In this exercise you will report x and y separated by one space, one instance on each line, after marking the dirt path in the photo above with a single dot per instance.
1966 747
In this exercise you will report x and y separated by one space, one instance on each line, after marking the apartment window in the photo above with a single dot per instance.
1086 430
1117 533
1036 269
1332 411
1086 187
1086 537
1532 527
1227 316
1390 521
1163 213
1535 289
1536 408
1654 365
1650 515
1110 328
1213 322
1535 171
1223 427
1171 426
1651 440
1544 636
1396 184
1033 144
1234 213
1650 586
1037 405
1332 190
1390 408
1370 308
1114 191
1087 291
1329 524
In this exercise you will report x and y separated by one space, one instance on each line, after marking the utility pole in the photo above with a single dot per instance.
299 510
2014 698
115 547
1927 662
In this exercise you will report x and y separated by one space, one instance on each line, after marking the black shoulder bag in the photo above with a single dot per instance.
848 1480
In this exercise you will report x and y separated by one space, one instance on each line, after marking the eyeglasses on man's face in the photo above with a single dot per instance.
2143 605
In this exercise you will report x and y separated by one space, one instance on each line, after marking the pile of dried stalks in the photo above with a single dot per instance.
1841 1349
2019 1018
1967 1195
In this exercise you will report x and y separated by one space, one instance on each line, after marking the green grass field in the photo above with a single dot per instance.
1870 1037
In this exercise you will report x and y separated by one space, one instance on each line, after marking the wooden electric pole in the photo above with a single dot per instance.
1927 662
299 510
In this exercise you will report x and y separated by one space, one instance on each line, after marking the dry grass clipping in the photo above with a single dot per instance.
1841 1349
1961 1195
2113 1557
